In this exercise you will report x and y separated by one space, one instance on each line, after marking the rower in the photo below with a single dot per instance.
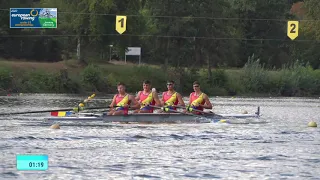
123 101
171 98
198 100
147 97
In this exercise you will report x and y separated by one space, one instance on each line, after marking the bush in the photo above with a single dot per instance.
5 78
39 82
298 80
91 77
255 77
219 78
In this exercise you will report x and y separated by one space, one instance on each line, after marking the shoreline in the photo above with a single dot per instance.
68 77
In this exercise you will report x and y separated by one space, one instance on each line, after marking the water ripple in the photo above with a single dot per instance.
283 148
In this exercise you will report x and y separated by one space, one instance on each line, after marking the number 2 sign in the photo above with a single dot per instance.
293 29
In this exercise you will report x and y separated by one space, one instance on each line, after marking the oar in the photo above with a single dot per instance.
75 109
80 107
196 110
44 111
82 104
194 115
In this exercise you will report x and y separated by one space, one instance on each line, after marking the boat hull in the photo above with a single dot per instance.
153 118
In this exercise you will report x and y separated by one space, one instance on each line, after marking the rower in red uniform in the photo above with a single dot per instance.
171 98
122 101
147 97
198 100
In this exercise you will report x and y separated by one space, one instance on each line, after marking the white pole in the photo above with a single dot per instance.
110 54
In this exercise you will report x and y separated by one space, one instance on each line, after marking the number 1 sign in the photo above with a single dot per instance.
121 24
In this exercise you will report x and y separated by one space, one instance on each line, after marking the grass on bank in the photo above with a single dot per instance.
70 77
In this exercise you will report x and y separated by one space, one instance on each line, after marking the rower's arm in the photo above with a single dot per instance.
135 103
208 104
190 99
162 101
156 99
180 100
138 96
113 103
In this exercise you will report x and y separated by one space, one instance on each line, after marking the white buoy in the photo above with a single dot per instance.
55 126
244 112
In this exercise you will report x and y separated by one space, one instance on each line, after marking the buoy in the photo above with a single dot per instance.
312 124
55 126
81 105
244 112
20 94
223 121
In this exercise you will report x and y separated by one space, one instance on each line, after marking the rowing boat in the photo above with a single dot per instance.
153 117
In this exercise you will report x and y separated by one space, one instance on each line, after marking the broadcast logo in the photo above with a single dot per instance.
33 17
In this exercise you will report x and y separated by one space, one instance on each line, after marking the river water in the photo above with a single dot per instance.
282 148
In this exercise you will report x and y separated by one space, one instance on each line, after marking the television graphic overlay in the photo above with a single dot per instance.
32 162
33 17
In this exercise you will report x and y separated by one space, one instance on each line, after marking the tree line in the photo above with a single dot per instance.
193 33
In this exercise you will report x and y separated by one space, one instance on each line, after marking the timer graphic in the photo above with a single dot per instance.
31 162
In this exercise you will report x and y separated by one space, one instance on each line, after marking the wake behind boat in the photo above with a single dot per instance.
152 117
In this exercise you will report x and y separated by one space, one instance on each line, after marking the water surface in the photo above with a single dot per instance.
282 148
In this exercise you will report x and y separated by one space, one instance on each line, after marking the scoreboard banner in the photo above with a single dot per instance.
33 17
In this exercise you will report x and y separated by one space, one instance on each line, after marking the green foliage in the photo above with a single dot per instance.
255 76
91 76
217 85
235 84
298 80
186 78
5 78
111 80
169 32
219 78
39 82
295 79
171 36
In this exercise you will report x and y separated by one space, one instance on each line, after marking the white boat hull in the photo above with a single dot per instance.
153 118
